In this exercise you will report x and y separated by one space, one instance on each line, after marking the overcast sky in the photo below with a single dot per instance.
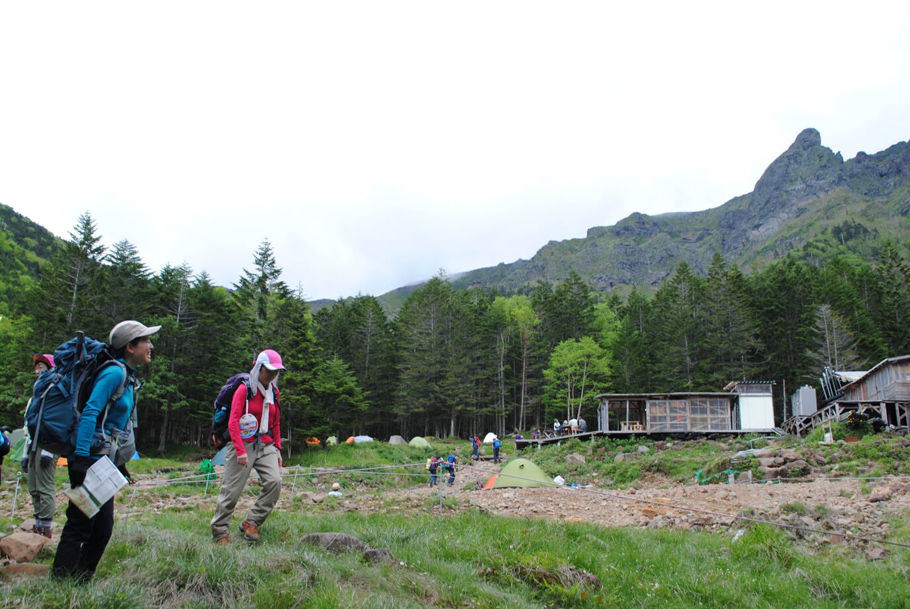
375 143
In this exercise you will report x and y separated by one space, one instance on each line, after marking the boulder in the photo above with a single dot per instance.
335 542
643 449
22 546
881 493
376 555
576 459
621 457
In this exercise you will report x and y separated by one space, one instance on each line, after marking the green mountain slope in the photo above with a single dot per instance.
24 246
808 200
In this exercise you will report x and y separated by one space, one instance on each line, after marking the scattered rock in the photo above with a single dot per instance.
335 542
576 459
376 555
23 569
621 457
881 493
643 449
876 553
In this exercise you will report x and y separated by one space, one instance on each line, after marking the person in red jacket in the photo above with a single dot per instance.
254 426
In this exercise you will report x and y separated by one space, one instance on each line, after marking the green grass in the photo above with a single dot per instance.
468 559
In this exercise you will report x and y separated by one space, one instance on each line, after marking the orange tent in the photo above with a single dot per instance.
313 441
349 440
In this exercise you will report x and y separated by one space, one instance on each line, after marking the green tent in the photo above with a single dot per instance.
17 441
419 442
522 473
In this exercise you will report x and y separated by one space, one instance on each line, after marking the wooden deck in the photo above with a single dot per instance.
896 414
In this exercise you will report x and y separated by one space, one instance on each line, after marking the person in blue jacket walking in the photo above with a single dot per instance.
84 539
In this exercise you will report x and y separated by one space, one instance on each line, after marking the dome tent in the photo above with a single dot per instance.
397 441
419 442
520 473
488 439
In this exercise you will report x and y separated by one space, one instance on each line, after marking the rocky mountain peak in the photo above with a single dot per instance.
808 138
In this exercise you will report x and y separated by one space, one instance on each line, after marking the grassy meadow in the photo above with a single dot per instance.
161 555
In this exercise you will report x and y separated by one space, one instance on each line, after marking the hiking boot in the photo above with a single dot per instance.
223 541
250 531
45 531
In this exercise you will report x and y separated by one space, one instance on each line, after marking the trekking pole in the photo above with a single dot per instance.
15 498
129 508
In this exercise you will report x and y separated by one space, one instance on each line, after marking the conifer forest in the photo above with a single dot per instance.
451 361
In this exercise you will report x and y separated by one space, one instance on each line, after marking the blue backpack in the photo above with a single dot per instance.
60 394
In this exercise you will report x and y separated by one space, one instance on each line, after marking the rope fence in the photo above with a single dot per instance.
300 472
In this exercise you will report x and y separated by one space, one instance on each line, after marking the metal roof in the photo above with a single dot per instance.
876 367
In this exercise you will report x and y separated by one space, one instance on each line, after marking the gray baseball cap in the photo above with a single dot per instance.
128 330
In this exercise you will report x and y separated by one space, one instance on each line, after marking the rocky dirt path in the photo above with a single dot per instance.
817 511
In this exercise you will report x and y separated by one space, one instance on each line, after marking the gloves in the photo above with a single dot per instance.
126 474
46 461
24 465
78 466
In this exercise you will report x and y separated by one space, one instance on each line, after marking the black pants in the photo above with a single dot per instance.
83 539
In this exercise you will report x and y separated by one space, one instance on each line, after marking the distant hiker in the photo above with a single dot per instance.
556 427
496 445
582 425
565 427
433 467
450 465
255 444
43 471
5 446
83 539
573 425
535 434
336 490
475 447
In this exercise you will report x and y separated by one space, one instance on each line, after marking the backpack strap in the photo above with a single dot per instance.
118 393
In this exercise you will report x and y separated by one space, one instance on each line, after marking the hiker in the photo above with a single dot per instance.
573 425
565 427
433 466
475 447
255 444
556 427
43 471
450 465
496 445
83 539
582 425
336 490
5 446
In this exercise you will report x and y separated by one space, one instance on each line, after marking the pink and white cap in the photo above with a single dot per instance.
270 359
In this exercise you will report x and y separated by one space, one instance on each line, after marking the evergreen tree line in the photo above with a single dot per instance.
453 361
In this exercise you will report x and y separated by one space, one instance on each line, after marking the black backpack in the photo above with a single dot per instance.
220 435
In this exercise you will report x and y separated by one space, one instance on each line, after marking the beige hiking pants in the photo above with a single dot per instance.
264 459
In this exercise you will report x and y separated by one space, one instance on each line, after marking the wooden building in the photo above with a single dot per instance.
747 408
882 391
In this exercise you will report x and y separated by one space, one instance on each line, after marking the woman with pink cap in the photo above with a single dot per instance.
254 425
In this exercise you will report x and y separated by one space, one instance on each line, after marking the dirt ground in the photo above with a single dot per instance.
819 512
